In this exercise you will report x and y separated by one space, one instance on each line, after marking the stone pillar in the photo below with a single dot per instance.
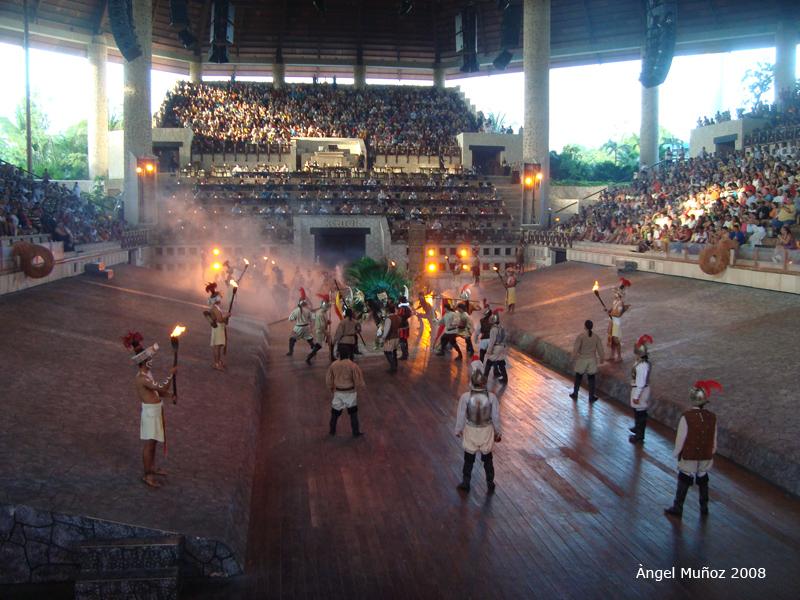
97 124
360 76
196 70
648 130
536 130
136 106
785 57
438 77
278 75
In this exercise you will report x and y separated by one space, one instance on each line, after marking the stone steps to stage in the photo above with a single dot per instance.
129 568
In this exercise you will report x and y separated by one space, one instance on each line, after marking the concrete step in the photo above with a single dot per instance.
129 554
159 584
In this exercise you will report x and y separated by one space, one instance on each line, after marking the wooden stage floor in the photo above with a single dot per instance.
577 510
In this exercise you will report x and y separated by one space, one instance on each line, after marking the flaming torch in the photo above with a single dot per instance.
235 287
173 337
246 264
596 291
500 277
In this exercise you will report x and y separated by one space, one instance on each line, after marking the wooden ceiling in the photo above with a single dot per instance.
583 31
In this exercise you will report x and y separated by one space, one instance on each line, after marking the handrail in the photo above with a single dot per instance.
593 194
5 162
566 207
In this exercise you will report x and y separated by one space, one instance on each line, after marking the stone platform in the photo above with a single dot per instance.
742 337
71 423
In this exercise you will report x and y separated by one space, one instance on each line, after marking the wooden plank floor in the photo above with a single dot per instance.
576 512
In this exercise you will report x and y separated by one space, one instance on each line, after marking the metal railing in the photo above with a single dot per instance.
135 238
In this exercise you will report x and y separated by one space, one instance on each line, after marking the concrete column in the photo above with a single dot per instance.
438 77
97 124
278 75
360 76
136 106
648 130
196 71
536 130
785 57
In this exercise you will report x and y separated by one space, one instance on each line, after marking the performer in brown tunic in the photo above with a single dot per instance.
151 429
346 337
587 353
695 445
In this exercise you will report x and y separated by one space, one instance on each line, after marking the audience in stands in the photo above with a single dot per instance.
256 117
31 206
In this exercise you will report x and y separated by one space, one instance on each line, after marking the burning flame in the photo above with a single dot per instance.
246 262
233 283
595 287
394 264
273 262
179 329
494 268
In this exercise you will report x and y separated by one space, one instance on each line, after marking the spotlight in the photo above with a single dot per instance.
319 5
215 252
502 60
432 267
431 252
528 181
216 266
149 167
406 6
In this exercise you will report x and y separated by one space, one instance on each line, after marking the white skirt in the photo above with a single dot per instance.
342 400
478 439
152 426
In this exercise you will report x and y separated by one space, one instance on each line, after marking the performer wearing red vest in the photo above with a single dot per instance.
695 444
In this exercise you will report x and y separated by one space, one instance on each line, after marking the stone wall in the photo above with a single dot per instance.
40 546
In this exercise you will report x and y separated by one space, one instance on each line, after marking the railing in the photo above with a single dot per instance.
34 175
135 238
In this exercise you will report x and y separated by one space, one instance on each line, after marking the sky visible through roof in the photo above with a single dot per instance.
588 104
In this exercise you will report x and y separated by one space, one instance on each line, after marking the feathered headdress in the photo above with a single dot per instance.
644 340
133 340
324 297
303 294
465 292
640 348
700 393
624 283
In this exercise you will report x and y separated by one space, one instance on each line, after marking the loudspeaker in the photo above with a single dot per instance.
222 23
178 14
502 60
659 46
121 19
467 30
511 26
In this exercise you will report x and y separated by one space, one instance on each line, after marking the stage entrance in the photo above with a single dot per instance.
339 245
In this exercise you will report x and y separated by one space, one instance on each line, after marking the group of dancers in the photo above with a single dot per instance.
478 422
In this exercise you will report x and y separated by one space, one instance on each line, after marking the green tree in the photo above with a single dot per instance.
496 122
63 155
611 147
758 82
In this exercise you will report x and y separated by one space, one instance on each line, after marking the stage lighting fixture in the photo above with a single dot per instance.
502 60
406 6
432 267
319 5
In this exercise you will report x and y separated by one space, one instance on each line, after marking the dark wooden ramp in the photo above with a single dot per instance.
577 509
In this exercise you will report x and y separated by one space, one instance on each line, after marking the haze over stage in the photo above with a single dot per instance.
743 337
70 426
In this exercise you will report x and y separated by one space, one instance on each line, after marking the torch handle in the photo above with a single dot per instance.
175 377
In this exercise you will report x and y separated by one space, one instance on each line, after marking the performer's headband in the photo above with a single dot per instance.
145 354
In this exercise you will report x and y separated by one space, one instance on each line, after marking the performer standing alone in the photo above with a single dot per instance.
618 308
587 352
478 424
695 445
640 389
151 428
342 378
218 320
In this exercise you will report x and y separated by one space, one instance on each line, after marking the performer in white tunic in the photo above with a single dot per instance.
218 319
478 424
322 324
640 389
301 317
695 445
151 428
497 349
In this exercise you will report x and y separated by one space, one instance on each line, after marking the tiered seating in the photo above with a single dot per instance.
256 117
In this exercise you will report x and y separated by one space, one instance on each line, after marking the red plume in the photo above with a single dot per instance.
324 297
134 338
624 282
303 294
211 288
645 339
497 310
464 287
708 385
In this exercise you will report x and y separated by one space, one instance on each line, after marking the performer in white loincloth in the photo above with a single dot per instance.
478 424
218 319
618 308
342 378
151 428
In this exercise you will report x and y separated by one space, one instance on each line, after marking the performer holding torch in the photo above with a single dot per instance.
217 319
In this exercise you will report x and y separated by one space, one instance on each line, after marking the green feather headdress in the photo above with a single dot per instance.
373 277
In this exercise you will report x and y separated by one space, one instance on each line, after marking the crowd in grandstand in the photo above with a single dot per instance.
746 196
250 117
41 206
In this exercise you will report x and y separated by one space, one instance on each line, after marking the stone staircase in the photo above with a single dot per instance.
140 568
511 193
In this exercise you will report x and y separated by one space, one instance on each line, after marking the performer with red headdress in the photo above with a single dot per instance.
618 308
322 323
640 389
695 444
152 428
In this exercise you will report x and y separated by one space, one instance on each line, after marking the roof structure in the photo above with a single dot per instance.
583 32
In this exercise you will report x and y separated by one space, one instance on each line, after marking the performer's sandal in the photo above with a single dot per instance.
149 483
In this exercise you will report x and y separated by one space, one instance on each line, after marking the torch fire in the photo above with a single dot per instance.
596 291
174 338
